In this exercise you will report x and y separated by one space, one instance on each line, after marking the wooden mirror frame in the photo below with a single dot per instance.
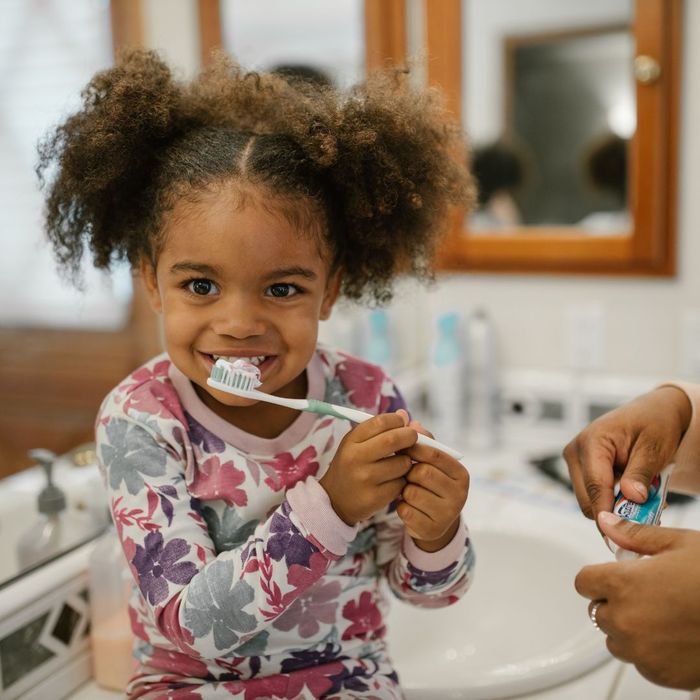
651 247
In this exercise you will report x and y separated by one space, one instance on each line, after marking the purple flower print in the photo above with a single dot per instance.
201 437
157 564
392 403
421 580
317 604
305 658
286 541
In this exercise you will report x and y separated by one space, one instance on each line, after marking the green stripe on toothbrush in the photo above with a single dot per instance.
325 409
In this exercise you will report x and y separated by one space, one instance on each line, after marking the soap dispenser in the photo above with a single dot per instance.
53 531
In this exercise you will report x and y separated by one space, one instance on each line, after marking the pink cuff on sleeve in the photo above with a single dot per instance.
311 505
435 561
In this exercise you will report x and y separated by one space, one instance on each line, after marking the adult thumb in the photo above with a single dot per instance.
643 539
643 464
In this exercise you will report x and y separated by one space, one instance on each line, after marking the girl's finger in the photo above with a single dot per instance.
430 505
389 442
390 490
377 425
432 479
390 468
425 453
417 523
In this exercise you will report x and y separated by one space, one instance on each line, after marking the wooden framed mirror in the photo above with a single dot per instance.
646 36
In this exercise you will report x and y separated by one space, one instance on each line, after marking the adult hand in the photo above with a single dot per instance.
433 499
651 606
636 441
366 474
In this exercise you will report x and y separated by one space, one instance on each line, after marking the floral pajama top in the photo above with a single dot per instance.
247 584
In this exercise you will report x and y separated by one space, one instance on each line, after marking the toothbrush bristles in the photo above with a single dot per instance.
236 379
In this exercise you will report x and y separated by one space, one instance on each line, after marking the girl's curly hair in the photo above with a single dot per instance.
382 163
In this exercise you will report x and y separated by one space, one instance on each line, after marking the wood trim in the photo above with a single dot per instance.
53 380
210 35
385 33
443 35
128 27
651 249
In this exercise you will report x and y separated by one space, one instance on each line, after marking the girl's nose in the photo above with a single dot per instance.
239 318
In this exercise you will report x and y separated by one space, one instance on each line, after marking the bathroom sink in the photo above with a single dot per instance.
521 628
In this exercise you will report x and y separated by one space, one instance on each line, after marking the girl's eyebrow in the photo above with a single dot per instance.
292 272
194 267
202 268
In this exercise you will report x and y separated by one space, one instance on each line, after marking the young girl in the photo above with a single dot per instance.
257 535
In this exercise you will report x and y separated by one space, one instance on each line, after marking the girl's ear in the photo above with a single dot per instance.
150 282
331 294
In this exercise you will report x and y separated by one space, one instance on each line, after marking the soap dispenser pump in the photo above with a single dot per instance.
50 532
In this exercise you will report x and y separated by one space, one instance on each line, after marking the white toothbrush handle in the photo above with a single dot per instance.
352 414
360 416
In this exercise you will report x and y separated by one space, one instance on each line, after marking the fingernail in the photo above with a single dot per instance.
404 415
640 488
608 518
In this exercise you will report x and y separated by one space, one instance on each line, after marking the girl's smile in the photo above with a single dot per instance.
236 279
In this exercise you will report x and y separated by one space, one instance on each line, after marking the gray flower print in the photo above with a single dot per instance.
130 454
228 531
336 393
213 605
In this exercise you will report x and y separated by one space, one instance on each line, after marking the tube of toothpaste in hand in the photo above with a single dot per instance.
647 513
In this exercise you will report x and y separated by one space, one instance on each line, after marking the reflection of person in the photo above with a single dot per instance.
302 73
606 168
256 535
650 608
498 170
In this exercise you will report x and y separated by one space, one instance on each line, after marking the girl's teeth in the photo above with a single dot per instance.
258 360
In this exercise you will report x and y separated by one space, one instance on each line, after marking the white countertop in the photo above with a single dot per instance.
502 479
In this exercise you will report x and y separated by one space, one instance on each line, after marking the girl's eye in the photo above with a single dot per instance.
282 290
202 287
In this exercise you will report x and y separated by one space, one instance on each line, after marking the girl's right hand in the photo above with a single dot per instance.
366 475
636 441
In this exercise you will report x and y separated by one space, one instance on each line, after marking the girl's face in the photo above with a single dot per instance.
233 279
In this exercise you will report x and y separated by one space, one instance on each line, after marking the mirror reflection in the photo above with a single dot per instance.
549 104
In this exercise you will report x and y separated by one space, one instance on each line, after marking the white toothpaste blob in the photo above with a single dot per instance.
240 365
238 373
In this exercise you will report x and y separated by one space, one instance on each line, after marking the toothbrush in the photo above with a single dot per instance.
241 378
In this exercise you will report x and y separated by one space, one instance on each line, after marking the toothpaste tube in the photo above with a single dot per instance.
647 513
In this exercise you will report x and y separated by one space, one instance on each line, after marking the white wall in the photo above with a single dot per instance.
644 317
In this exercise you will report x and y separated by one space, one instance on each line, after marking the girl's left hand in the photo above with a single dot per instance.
433 499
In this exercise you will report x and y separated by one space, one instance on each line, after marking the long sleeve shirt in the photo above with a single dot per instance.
242 568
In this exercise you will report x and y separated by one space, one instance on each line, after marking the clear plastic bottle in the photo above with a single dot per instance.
110 629
445 380
55 529
482 389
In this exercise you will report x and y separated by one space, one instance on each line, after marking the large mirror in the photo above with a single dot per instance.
571 110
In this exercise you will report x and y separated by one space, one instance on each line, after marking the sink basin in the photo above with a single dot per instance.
521 627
